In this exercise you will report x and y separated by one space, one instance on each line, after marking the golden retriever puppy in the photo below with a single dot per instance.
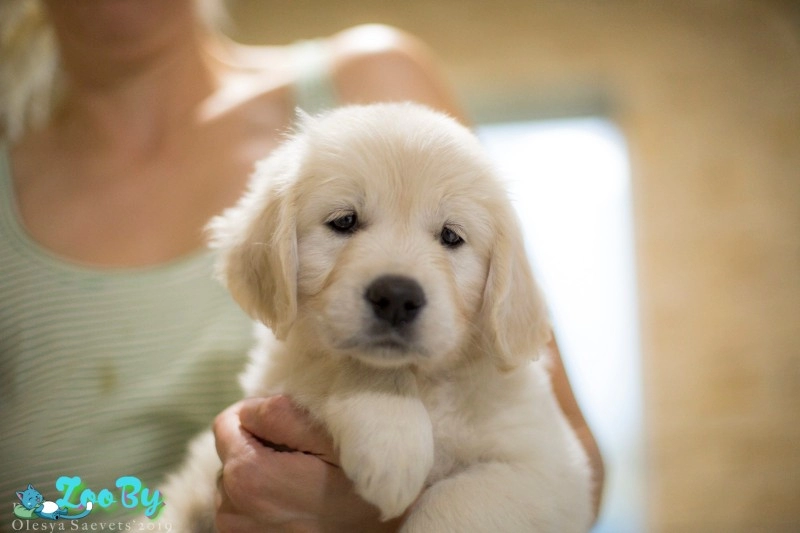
381 249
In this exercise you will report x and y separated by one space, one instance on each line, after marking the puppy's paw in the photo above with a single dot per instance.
392 477
386 449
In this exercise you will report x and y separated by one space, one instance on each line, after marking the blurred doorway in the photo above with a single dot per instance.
570 181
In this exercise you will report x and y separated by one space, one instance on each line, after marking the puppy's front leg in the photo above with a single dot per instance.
383 434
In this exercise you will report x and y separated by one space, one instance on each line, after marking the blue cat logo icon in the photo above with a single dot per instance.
35 506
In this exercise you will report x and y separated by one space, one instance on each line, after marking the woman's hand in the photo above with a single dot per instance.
280 473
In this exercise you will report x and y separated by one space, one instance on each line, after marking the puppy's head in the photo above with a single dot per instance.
380 232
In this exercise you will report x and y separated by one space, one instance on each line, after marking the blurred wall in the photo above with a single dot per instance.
708 95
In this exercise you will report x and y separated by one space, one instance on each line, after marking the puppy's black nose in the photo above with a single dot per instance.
395 299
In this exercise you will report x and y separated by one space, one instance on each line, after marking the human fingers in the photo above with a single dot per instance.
229 437
257 486
229 517
284 426
261 487
261 481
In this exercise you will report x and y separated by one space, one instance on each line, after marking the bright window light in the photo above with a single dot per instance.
570 182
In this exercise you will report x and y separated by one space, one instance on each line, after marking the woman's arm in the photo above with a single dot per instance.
569 405
376 63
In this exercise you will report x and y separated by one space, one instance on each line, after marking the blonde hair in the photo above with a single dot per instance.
28 66
30 74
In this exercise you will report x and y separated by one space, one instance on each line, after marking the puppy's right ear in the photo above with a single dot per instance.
257 243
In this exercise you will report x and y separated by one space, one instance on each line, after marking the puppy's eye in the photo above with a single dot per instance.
346 223
450 238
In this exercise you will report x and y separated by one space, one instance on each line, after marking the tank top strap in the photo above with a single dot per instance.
314 90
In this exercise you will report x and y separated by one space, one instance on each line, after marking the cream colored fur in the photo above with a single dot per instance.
459 419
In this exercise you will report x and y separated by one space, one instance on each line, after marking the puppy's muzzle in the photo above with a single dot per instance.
395 300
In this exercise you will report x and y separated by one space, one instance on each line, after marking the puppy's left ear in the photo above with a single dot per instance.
516 325
257 244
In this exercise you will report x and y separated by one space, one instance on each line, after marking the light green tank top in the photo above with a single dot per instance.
108 373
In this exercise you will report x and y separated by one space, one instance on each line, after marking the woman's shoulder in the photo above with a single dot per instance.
365 63
376 62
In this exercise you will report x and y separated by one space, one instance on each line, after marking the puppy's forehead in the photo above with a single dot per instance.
397 152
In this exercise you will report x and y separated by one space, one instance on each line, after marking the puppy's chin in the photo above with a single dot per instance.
383 353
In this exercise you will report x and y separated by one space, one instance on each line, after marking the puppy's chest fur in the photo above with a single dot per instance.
481 415
478 414
456 430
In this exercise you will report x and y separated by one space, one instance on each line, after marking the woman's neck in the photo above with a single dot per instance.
132 91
